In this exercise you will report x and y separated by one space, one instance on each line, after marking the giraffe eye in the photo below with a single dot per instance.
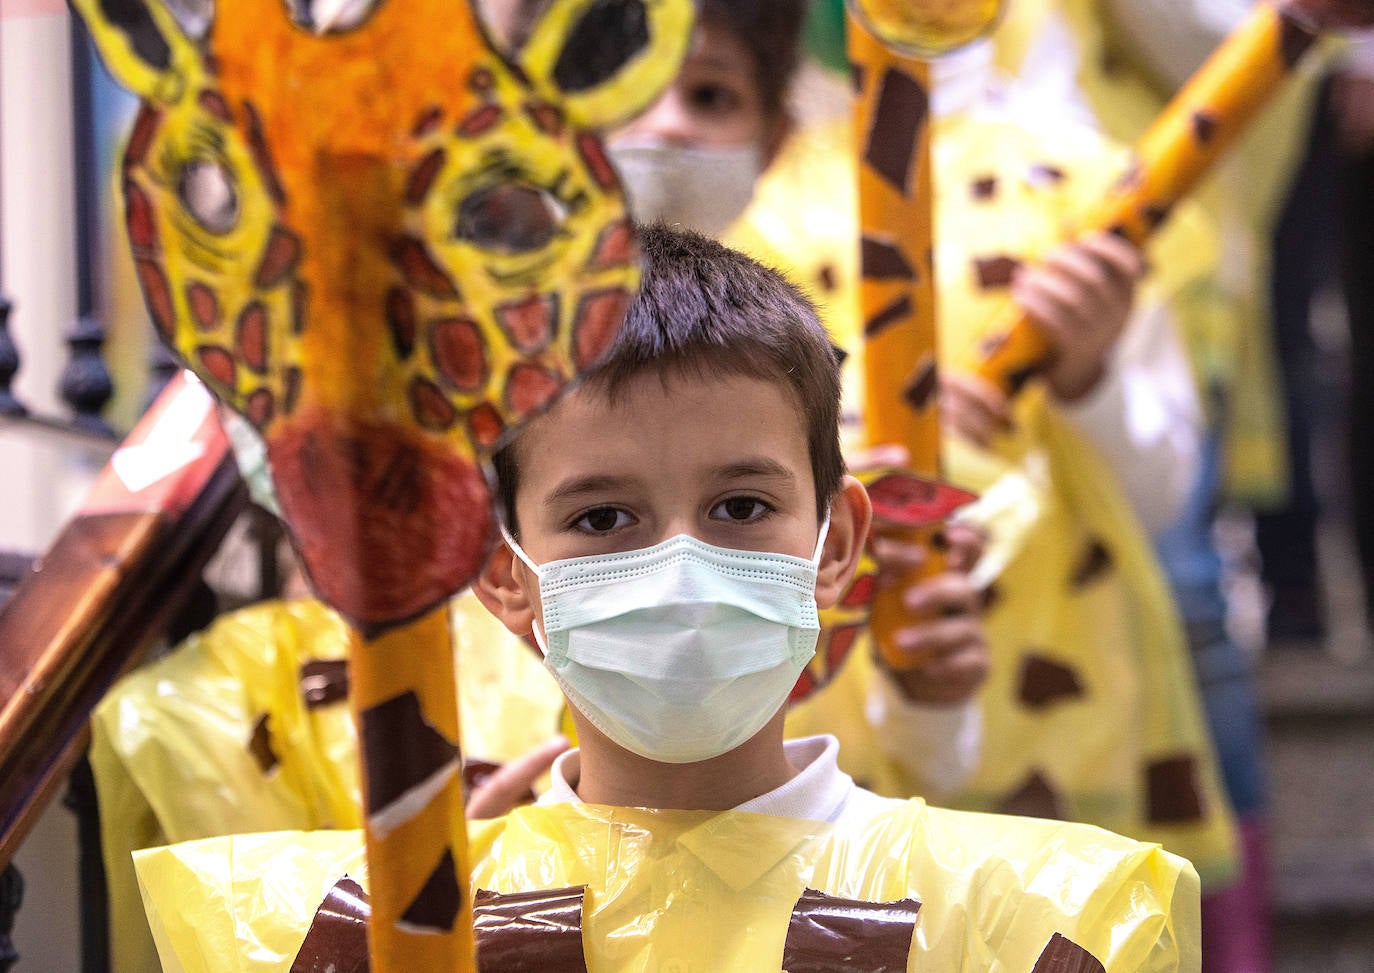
510 218
206 190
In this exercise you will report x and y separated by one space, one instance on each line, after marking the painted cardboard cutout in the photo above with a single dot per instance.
383 244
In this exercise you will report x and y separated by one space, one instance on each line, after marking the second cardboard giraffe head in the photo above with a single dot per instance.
383 243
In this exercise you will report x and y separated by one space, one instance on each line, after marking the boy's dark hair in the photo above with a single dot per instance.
706 310
771 30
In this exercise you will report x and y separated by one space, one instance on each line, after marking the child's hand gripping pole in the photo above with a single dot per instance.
897 296
1194 131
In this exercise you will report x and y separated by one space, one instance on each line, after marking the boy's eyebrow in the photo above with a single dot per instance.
754 467
580 486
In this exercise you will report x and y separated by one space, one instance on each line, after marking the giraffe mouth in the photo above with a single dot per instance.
388 522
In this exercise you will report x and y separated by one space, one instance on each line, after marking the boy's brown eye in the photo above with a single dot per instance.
602 519
742 508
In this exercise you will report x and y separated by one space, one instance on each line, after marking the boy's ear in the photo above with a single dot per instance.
607 60
501 588
851 514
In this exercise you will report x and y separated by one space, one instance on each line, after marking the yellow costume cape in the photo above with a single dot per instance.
696 891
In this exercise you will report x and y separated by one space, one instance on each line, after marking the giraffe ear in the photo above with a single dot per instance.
148 44
607 60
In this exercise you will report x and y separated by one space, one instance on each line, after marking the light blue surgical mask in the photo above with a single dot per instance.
682 651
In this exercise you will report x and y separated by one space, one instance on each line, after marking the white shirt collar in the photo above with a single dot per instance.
819 792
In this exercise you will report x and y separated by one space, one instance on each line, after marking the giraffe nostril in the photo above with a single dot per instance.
510 218
330 16
206 190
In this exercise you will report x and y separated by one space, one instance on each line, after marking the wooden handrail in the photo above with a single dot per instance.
104 591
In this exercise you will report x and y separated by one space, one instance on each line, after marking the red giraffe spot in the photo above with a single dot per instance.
481 120
204 305
219 364
614 248
251 336
530 324
594 154
548 118
138 217
142 135
427 121
486 425
481 80
158 296
214 103
431 407
400 319
457 348
529 387
422 176
279 257
598 319
300 301
261 406
420 270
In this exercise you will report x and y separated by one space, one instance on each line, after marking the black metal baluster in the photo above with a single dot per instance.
9 365
11 895
86 384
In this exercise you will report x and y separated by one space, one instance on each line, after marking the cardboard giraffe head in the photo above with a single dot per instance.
384 244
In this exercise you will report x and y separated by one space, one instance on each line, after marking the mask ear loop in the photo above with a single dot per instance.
820 541
519 552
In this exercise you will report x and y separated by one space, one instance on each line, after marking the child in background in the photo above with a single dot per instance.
1091 712
1098 56
673 525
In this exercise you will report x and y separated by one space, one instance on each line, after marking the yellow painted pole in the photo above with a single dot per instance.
896 219
407 717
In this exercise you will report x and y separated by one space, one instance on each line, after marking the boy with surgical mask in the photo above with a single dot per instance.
673 525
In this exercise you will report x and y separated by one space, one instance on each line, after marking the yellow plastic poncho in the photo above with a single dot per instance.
1091 711
242 729
696 891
